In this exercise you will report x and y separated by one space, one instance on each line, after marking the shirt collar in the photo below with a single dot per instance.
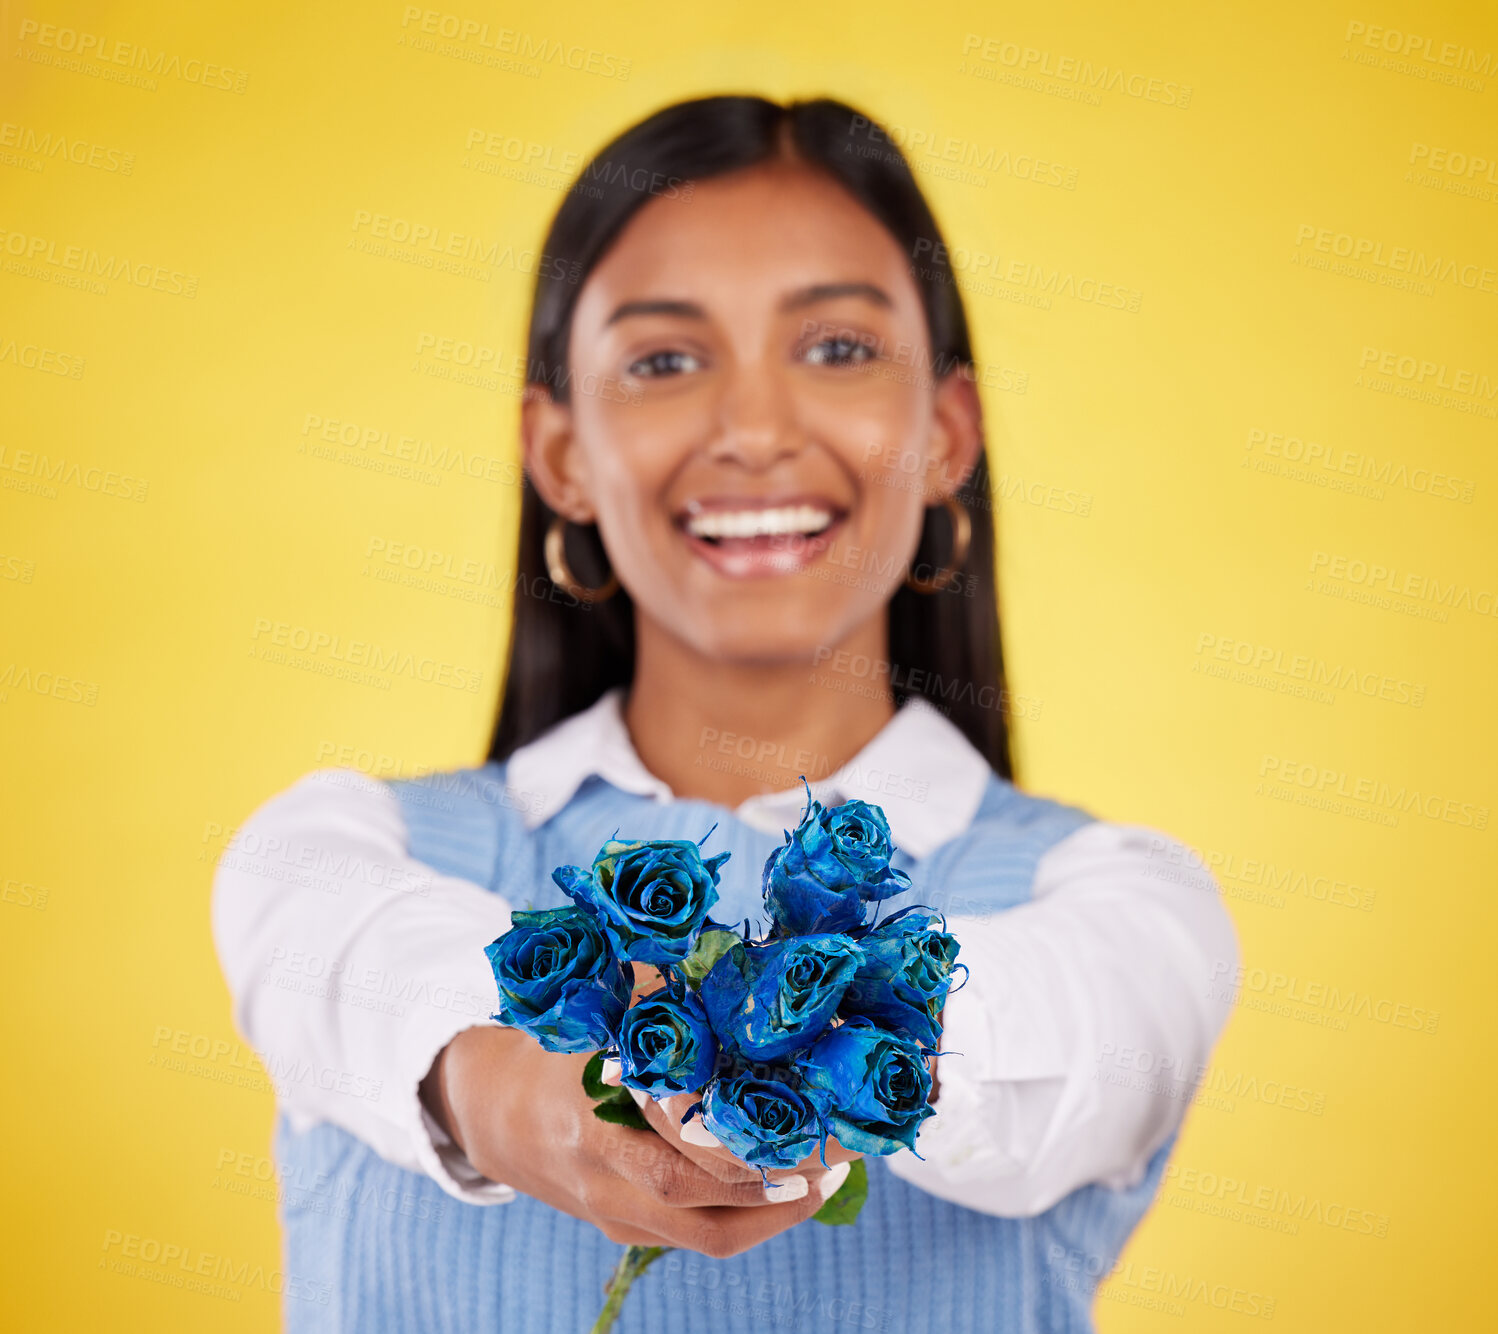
919 768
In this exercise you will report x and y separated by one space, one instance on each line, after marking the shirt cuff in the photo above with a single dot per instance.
424 1035
1004 1069
1108 955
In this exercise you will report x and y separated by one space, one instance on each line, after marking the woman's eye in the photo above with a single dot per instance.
841 350
664 363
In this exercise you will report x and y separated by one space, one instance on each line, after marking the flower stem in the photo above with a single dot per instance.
633 1263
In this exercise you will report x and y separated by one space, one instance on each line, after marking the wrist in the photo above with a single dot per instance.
442 1088
472 1081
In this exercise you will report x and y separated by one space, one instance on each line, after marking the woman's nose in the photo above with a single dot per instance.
756 423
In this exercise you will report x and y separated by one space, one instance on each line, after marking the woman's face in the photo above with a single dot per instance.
754 420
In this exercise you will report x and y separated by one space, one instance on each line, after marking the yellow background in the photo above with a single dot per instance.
168 725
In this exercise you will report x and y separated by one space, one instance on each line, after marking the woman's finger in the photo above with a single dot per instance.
721 1232
661 1173
625 1234
703 1147
836 1154
718 1163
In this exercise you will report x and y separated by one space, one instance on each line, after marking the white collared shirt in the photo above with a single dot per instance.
1125 947
919 739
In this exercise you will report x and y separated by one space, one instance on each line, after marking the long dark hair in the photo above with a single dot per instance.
563 655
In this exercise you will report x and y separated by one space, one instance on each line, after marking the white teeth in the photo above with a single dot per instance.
800 519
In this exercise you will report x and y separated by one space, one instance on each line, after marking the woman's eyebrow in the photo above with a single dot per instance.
690 309
803 296
807 296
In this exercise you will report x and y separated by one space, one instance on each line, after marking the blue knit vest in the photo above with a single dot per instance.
397 1253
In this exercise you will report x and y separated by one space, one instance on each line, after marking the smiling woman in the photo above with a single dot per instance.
785 352
777 309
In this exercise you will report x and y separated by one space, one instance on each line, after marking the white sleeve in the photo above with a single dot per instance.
1085 1024
351 965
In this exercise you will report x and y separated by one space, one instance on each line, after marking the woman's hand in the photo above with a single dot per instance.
520 1115
698 1143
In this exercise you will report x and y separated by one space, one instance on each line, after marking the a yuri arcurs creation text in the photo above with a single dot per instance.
821 1028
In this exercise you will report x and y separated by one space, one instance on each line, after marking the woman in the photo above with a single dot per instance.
755 543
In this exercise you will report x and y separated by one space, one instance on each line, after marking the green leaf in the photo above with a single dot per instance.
627 1114
593 1084
711 946
611 1102
843 1207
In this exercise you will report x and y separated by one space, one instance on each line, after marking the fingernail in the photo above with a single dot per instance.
641 1098
835 1177
612 1070
694 1132
792 1188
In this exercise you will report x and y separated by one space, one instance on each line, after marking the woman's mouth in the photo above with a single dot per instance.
747 539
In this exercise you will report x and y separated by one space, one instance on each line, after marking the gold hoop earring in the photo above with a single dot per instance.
561 573
962 535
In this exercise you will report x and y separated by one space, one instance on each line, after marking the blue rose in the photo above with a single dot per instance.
766 1001
832 863
762 1119
559 979
871 1086
666 1044
652 897
905 975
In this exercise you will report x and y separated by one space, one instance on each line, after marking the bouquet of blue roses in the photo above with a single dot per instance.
820 1028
